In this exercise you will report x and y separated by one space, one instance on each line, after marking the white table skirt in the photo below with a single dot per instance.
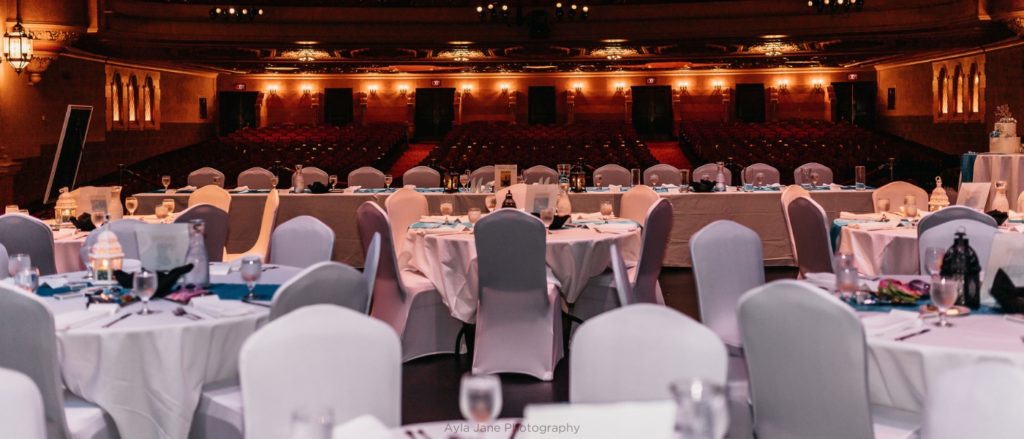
67 243
148 372
891 251
573 256
995 167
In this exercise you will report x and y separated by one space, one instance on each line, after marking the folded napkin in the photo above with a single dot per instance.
860 216
440 218
64 234
214 307
613 227
587 216
76 319
239 189
219 269
362 427
187 188
614 188
352 189
823 280
877 225
55 282
894 322
443 230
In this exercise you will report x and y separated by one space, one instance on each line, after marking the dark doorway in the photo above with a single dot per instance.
434 112
542 105
338 106
854 103
237 109
652 111
750 102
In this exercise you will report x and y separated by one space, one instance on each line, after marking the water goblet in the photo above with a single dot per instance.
883 205
655 180
606 210
464 180
250 270
474 215
910 205
480 398
332 180
387 181
160 212
599 180
491 203
446 209
169 204
702 409
166 181
933 260
98 217
144 286
274 182
547 216
18 262
944 294
814 180
759 179
27 279
132 204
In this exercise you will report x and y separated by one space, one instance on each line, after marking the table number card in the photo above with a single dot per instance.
162 246
504 176
973 195
541 196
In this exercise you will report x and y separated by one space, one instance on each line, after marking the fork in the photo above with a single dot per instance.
180 312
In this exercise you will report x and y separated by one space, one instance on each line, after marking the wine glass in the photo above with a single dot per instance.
160 211
169 204
98 217
883 205
18 262
933 260
814 180
547 216
759 179
332 180
144 286
387 181
131 203
480 398
312 423
464 180
474 215
250 270
166 181
702 409
446 209
598 180
910 206
684 180
490 202
606 210
274 182
944 294
27 279
655 180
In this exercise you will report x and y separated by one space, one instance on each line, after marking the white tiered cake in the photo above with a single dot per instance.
1004 140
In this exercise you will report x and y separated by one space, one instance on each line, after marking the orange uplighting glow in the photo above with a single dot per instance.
403 89
372 88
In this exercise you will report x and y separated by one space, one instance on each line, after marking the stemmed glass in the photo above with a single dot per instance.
944 294
547 216
27 279
464 180
166 181
250 270
702 409
446 209
131 203
98 217
606 210
387 181
169 204
910 206
883 205
144 286
759 179
274 181
474 215
655 180
933 261
480 398
684 180
598 180
18 262
814 180
491 203
332 180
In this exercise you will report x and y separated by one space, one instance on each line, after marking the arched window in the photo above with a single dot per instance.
974 86
943 92
958 86
133 98
148 99
116 96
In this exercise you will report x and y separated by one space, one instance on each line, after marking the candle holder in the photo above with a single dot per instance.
578 178
106 257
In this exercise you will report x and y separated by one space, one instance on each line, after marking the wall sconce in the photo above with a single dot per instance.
372 89
307 89
783 85
717 85
403 89
467 89
272 89
817 84
683 86
620 87
504 88
577 87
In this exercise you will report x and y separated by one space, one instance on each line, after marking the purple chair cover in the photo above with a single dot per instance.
727 262
709 171
367 177
771 175
205 176
256 178
667 174
824 173
322 283
422 176
216 228
810 236
613 174
301 242
536 174
24 234
125 232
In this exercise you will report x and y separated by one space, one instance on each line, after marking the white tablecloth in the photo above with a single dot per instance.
147 372
66 246
995 167
889 251
573 256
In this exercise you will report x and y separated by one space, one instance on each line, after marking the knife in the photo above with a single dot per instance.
913 334
113 322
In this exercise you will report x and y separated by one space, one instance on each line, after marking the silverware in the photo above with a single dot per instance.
253 302
114 322
913 334
181 312
410 434
423 433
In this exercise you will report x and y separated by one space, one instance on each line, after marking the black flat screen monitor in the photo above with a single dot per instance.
70 148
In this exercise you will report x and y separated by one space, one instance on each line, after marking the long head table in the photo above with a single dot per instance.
759 211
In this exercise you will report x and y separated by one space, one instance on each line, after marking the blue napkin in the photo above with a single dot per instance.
852 187
984 310
597 189
430 190
766 189
426 226
372 190
225 291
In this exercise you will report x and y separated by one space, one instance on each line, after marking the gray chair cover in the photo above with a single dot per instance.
667 174
635 354
405 300
518 324
4 272
824 173
771 175
810 236
322 283
215 223
24 234
301 242
256 178
312 174
727 262
21 407
795 338
977 400
483 174
204 176
125 232
613 174
709 171
623 285
370 264
540 174
953 213
979 234
422 176
366 177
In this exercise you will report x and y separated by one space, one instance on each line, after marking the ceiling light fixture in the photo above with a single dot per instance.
306 54
461 54
774 48
572 12
615 53
237 14
18 44
835 6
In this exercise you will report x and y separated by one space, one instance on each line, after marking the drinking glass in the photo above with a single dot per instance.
27 279
18 262
160 211
655 180
684 183
490 202
480 398
944 294
815 182
598 180
446 209
635 173
933 260
547 216
332 180
883 205
98 217
860 178
464 180
166 181
805 176
474 215
702 409
144 286
169 204
759 179
274 181
606 209
131 203
387 181
312 423
11 208
910 205
251 269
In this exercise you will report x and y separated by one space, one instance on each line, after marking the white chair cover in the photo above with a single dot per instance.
483 174
727 262
312 174
824 173
21 407
709 171
667 174
319 356
269 218
789 194
635 353
981 400
613 174
796 338
636 202
770 173
301 242
322 283
256 178
215 226
623 285
405 207
979 235
540 174
213 195
367 177
125 232
21 233
895 191
370 264
519 319
518 195
422 176
811 238
205 176
4 274
953 213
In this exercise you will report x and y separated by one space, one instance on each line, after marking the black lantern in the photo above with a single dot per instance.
578 178
451 180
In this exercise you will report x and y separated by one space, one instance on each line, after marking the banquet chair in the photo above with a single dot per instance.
406 300
256 178
667 174
709 171
29 346
795 337
789 194
483 174
21 407
980 235
979 400
312 174
125 232
824 173
422 176
315 348
205 176
635 353
613 174
215 227
213 195
811 239
301 242
1020 201
952 213
324 282
540 174
405 207
519 317
895 191
367 177
370 263
770 173
636 202
4 274
20 233
518 195
268 219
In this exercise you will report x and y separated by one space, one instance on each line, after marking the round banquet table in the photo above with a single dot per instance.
147 372
573 256
995 167
890 251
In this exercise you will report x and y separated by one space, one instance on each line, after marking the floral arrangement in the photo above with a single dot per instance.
896 292
1003 112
